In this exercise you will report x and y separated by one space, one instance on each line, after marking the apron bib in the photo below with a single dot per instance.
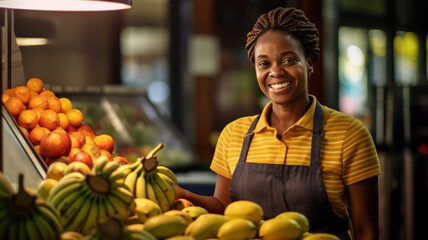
280 188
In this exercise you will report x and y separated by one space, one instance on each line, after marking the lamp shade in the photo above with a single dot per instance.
67 5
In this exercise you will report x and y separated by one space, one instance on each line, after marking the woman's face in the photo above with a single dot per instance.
281 67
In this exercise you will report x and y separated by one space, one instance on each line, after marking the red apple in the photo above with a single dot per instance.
77 139
55 144
83 157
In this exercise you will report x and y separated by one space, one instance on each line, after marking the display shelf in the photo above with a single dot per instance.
133 121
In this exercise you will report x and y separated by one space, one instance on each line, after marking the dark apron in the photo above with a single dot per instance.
280 188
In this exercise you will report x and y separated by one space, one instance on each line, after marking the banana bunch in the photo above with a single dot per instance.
114 228
82 200
205 226
26 216
146 179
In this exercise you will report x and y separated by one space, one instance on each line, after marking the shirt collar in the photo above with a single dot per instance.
307 121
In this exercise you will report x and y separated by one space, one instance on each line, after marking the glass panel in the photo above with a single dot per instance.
406 49
377 40
352 71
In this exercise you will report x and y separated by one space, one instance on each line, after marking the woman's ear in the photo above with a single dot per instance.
310 61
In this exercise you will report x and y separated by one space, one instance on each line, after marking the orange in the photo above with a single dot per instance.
38 102
63 120
14 106
37 134
4 97
23 93
38 111
28 119
104 141
9 92
47 93
75 116
49 119
66 104
54 104
24 131
35 84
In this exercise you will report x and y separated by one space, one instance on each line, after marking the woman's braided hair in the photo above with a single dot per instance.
289 20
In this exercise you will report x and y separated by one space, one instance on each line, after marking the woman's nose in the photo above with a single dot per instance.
275 70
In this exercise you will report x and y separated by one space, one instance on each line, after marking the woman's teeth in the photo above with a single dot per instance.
279 85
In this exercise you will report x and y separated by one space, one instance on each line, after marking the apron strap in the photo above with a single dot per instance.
316 136
247 140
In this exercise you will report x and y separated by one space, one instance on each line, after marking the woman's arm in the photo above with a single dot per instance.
363 205
213 204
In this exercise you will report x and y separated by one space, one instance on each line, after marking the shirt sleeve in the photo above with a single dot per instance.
219 163
360 159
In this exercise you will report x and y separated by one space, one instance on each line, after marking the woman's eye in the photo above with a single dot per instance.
289 61
263 64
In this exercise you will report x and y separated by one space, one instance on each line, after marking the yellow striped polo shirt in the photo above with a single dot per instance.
348 154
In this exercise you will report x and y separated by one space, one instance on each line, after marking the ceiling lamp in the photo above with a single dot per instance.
67 5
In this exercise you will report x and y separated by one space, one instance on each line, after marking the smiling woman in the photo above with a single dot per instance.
297 155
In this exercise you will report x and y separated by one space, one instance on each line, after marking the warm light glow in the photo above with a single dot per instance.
31 41
66 5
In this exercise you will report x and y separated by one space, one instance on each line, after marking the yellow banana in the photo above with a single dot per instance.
5 186
301 219
55 198
164 226
244 209
168 180
71 235
116 176
154 151
132 177
140 186
146 208
141 235
150 191
168 173
195 211
168 191
280 228
237 229
109 208
186 216
129 167
99 164
160 195
323 236
205 226
91 218
109 168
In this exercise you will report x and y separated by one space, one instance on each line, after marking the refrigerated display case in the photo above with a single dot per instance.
19 155
135 124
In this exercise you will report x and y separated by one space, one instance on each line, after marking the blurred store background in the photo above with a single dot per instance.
178 70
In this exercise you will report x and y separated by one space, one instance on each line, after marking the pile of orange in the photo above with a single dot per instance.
39 112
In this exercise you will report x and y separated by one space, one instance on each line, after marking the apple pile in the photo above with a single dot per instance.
55 128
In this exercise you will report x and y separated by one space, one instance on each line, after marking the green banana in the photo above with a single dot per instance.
55 198
32 229
205 226
63 206
13 229
91 218
43 227
73 209
4 227
238 228
109 168
102 211
48 212
109 208
122 192
22 230
73 223
129 167
99 164
163 226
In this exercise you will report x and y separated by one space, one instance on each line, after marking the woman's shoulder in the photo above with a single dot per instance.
241 124
335 116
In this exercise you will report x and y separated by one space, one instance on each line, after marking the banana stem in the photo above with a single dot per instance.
111 228
149 164
154 151
98 184
22 200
